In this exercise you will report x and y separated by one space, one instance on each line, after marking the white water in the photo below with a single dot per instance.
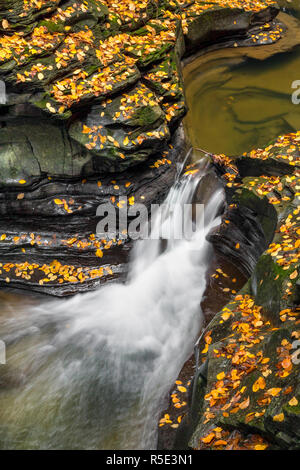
92 371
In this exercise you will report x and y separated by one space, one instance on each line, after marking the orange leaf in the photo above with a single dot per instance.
208 438
260 446
279 418
293 402
99 253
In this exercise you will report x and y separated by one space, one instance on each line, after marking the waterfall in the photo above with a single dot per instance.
91 372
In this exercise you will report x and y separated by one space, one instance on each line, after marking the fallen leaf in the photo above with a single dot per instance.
278 418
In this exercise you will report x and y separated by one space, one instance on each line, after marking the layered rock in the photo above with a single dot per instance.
94 101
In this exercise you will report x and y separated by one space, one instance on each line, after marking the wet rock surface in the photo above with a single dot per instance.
94 101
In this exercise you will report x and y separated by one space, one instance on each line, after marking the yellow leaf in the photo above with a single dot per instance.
220 442
221 375
208 438
274 391
279 418
294 274
293 402
259 384
99 253
85 129
245 404
260 446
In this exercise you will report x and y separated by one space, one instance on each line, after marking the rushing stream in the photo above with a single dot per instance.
91 372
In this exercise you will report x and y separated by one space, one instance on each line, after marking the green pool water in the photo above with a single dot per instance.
240 102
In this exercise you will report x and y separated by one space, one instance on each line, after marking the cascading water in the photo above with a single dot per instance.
92 372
